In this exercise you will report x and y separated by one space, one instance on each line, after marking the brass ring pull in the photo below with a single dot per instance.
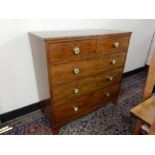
76 50
116 44
75 108
113 61
76 70
107 94
76 90
110 78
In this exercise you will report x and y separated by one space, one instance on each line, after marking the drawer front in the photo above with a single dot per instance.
69 51
83 105
108 78
67 72
86 86
108 45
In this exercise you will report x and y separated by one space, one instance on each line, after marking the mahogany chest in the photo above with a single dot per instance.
79 71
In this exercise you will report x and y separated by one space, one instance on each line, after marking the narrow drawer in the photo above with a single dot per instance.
69 51
112 44
67 72
83 105
86 86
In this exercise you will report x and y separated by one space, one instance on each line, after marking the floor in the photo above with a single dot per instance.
108 120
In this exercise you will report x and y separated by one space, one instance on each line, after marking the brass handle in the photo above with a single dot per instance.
76 90
107 94
76 70
76 50
113 61
116 44
110 78
75 108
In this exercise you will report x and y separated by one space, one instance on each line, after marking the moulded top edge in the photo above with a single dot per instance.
75 33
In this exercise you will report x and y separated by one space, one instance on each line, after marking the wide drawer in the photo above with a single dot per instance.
69 51
85 86
67 72
85 104
112 44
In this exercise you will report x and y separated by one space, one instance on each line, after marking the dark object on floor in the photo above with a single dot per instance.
108 120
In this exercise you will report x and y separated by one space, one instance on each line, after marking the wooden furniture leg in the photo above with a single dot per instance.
137 127
55 130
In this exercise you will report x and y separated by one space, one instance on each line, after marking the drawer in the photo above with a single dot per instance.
83 105
69 51
86 86
67 72
113 44
73 89
108 78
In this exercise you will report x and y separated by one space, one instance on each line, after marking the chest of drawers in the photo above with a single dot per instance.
79 71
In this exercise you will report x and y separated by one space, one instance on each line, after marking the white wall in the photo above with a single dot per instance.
17 77
152 48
